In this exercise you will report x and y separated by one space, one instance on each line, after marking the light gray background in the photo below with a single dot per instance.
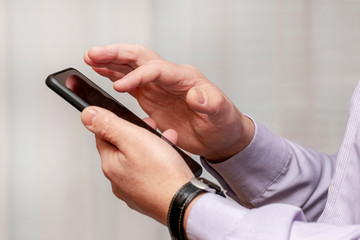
292 65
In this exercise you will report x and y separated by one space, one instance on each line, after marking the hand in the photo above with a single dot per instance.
177 97
144 170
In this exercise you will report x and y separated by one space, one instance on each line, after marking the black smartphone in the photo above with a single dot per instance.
81 92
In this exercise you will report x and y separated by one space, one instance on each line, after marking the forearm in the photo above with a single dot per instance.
272 169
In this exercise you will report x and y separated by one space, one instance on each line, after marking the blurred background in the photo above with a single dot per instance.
292 65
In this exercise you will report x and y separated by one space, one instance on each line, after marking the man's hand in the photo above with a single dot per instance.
177 97
144 170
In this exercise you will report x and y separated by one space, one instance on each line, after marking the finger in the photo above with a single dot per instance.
112 75
171 135
107 151
121 68
133 55
170 75
151 122
104 147
209 100
116 191
124 68
106 125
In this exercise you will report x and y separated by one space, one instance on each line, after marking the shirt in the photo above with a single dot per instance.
282 190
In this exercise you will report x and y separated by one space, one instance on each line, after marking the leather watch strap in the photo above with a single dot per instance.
178 205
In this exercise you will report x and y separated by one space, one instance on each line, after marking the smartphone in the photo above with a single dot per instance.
81 92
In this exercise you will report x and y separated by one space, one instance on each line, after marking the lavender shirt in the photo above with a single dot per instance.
284 191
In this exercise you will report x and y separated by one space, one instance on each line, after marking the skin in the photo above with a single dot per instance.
180 101
139 173
176 97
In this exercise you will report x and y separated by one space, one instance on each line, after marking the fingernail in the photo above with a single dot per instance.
117 83
89 116
200 95
122 85
95 48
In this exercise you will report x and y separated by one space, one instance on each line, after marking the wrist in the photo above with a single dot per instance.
246 134
183 201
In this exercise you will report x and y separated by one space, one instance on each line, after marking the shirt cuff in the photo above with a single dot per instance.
211 211
247 175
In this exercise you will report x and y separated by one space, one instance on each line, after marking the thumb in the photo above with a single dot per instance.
105 124
209 100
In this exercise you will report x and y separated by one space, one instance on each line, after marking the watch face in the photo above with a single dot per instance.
206 185
199 183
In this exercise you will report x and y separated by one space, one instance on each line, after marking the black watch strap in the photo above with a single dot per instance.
179 203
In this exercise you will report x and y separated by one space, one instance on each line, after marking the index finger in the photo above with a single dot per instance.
130 54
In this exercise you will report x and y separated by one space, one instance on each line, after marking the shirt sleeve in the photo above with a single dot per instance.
214 217
272 169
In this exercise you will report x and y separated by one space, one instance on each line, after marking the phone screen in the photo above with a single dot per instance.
81 92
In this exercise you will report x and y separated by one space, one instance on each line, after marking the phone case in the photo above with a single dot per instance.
98 97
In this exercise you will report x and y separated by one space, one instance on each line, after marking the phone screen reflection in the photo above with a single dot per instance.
95 96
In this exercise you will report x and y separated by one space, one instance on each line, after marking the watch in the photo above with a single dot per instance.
182 199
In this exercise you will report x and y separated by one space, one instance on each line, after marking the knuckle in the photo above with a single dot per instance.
106 166
141 48
191 68
157 64
105 128
111 167
217 103
116 192
106 170
132 206
193 73
109 172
